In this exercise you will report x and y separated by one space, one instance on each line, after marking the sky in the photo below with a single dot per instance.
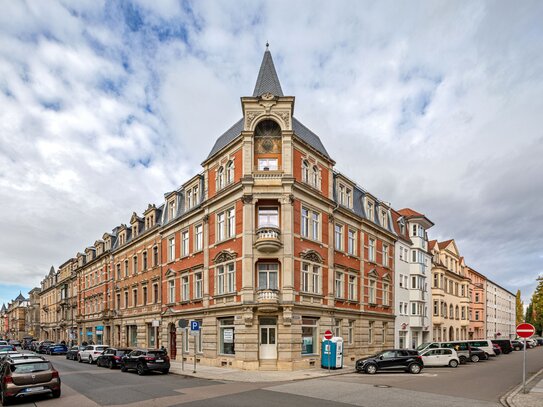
433 105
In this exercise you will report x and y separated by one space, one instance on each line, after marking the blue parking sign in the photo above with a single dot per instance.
194 326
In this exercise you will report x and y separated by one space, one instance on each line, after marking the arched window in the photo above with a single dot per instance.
457 313
220 178
305 171
451 311
229 172
315 176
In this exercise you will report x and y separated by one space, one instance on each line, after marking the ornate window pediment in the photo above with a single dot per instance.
311 255
224 256
170 273
386 277
373 274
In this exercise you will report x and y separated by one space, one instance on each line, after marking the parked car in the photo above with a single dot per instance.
42 348
440 357
517 345
6 354
4 343
505 345
477 354
8 348
73 352
391 359
112 357
146 360
91 353
539 341
497 349
531 343
57 349
462 350
15 342
27 377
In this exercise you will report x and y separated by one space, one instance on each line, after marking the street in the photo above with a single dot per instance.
479 384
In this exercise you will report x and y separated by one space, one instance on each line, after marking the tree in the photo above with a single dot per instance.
537 305
520 309
529 313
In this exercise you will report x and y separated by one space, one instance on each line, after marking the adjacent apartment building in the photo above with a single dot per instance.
500 312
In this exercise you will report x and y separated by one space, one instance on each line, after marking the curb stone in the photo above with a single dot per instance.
507 399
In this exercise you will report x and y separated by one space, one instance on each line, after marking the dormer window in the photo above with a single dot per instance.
345 195
369 210
384 219
171 209
192 197
134 230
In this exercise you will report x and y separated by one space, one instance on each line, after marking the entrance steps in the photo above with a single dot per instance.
268 365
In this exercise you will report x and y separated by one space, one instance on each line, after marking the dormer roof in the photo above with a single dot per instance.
267 80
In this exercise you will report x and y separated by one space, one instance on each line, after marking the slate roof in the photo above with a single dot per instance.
267 80
20 297
308 136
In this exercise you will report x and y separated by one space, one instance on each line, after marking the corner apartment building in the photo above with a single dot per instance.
32 317
413 324
450 292
16 315
500 312
268 247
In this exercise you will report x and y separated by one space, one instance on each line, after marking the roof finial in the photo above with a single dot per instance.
267 45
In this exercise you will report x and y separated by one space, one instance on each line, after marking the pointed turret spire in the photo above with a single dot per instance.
267 81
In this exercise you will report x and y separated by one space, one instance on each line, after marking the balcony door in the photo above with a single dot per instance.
268 338
268 276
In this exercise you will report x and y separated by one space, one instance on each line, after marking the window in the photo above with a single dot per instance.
339 237
369 210
144 261
436 281
220 178
371 292
126 268
385 331
309 336
305 171
221 226
144 295
351 291
436 308
413 308
226 336
477 315
230 223
192 197
135 261
155 293
310 278
230 172
198 285
118 271
337 328
305 222
371 250
185 288
350 332
171 291
267 164
476 297
386 291
135 297
185 243
384 219
315 177
310 224
315 225
171 209
413 282
370 331
463 312
400 279
339 284
385 255
171 248
198 238
268 276
268 217
155 256
226 278
351 247
118 297
126 299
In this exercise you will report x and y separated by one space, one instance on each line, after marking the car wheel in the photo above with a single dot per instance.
463 359
56 394
123 368
91 361
79 359
6 401
474 358
140 369
414 368
111 365
371 369
453 363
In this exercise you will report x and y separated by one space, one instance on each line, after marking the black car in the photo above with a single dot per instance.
146 360
517 345
112 357
505 345
73 352
43 347
477 354
391 359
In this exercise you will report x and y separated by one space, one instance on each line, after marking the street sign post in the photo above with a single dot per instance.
328 335
195 331
524 330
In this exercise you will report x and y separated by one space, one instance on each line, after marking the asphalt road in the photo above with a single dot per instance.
478 385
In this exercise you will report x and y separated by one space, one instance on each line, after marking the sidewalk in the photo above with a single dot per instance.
534 397
252 376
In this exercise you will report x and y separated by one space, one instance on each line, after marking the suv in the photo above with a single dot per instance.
27 376
146 360
391 359
112 357
505 345
91 353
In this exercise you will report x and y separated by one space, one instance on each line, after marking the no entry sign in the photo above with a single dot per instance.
525 330
328 335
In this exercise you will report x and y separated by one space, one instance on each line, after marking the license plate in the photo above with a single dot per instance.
159 360
31 389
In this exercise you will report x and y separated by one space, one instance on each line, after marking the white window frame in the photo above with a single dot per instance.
372 289
268 164
198 237
198 284
171 248
351 246
171 291
339 284
311 278
338 237
371 249
351 290
185 248
185 287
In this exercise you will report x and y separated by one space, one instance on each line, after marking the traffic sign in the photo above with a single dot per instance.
328 335
525 330
194 326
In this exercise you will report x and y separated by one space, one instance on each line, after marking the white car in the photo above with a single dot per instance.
91 353
440 357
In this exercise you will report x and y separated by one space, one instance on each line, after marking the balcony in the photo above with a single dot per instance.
416 321
268 300
417 295
268 239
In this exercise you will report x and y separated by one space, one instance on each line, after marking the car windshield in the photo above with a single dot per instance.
31 367
423 345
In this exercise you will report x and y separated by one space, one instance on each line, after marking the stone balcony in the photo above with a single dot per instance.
268 239
268 300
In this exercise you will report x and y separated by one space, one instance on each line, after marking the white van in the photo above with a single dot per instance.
483 344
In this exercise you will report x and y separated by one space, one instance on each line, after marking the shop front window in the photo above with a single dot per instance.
227 336
309 336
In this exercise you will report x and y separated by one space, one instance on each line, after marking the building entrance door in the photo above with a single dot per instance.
173 341
268 338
